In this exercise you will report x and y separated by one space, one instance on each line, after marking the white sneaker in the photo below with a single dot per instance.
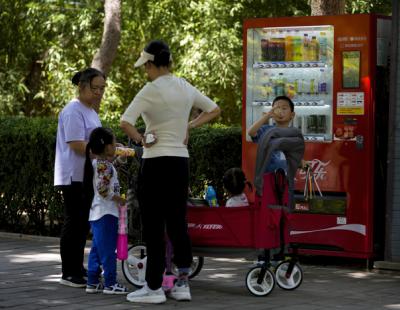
116 289
180 292
147 295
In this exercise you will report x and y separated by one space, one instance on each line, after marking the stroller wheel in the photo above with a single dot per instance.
257 284
288 281
195 268
134 267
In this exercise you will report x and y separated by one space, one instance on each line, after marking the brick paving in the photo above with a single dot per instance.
30 271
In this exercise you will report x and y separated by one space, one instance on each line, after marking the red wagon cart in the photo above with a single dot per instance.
263 225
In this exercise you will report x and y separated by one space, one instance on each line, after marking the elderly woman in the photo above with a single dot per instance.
75 123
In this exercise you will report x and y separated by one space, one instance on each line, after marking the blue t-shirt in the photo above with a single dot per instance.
278 159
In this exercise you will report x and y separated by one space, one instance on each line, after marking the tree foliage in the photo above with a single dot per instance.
45 41
369 6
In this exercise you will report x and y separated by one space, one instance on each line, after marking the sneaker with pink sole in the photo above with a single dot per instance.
180 292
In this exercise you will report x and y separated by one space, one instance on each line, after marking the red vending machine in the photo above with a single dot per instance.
334 68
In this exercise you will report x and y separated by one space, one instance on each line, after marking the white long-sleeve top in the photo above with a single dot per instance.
106 185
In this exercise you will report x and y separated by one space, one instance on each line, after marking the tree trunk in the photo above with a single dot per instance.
328 7
111 36
33 82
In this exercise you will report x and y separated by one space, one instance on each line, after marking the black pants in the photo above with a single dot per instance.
75 229
162 194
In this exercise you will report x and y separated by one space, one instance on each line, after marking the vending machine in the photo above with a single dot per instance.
335 70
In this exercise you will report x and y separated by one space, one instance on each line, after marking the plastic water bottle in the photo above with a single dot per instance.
211 196
323 47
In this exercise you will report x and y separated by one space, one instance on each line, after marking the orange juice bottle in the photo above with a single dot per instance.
289 48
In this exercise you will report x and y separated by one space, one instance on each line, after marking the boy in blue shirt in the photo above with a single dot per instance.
282 113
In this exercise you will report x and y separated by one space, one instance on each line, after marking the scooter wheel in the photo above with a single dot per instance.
134 267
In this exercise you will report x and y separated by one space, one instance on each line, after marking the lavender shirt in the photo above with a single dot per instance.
75 123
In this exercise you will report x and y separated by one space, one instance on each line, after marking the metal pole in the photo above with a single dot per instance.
390 188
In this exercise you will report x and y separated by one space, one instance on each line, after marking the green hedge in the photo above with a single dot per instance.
30 204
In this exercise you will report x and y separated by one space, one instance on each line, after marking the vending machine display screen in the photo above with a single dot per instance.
351 61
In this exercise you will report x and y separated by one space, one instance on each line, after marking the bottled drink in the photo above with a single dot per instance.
323 47
321 123
275 49
297 47
312 86
279 85
296 86
124 151
306 47
312 124
322 87
264 50
288 48
290 90
269 89
280 46
304 87
314 49
211 196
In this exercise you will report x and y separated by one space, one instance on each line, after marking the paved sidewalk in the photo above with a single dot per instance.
30 271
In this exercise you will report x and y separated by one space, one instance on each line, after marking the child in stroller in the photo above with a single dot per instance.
234 183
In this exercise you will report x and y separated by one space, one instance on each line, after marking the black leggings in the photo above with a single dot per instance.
75 229
162 193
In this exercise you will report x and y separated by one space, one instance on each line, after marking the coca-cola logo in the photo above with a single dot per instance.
319 169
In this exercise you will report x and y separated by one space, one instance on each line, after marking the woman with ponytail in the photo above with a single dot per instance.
164 104
75 124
